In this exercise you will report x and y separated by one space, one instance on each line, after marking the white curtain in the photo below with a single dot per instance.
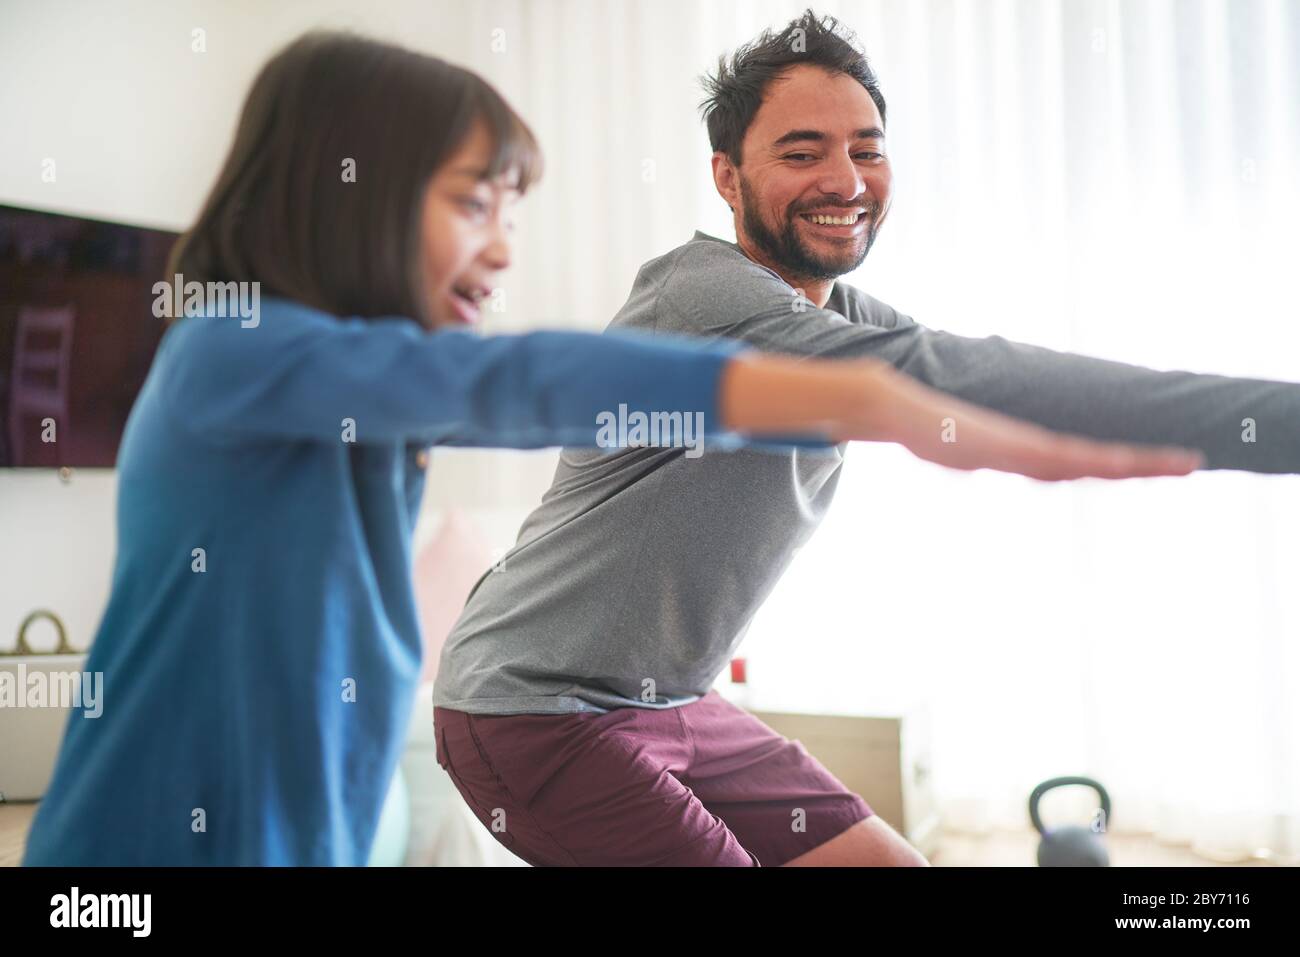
1117 179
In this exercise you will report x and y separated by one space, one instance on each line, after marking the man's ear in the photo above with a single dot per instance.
726 180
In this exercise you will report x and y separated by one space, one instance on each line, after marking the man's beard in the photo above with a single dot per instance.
786 251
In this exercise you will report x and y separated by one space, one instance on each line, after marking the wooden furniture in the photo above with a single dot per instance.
879 752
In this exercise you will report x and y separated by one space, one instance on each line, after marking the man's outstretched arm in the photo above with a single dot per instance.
1247 424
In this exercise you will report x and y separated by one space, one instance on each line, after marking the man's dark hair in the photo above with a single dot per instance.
281 212
736 91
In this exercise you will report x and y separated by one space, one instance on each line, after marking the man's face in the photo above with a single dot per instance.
815 149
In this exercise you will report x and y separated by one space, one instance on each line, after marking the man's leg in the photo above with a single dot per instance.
585 789
869 843
779 801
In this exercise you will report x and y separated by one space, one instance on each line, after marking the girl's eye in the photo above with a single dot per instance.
475 206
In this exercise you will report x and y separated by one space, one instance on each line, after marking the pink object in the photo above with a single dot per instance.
445 572
39 384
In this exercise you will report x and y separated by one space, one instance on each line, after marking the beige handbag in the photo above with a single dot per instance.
37 692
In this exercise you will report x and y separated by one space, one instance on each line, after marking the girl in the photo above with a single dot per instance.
260 648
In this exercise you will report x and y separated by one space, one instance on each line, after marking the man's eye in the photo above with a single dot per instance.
795 156
872 156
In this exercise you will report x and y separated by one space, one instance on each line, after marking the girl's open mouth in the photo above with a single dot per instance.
465 305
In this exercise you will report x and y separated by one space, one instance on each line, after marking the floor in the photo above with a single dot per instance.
998 849
1016 848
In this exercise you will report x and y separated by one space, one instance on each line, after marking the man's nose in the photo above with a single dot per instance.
841 177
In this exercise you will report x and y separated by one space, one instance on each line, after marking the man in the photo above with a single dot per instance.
573 703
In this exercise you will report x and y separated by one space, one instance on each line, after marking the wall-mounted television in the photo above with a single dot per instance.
77 334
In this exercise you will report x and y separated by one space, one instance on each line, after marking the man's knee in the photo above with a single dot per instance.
869 843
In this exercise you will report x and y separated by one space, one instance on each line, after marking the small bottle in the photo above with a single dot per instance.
741 694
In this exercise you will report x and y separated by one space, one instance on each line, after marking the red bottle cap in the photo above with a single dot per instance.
738 670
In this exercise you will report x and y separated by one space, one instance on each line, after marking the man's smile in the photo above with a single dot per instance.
836 223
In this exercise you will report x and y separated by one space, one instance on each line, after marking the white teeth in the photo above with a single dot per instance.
834 220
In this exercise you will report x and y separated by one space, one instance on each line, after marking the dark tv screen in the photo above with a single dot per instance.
77 334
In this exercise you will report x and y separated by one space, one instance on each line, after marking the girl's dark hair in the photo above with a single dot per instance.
735 91
282 212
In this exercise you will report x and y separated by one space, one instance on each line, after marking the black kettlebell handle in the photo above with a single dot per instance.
1062 782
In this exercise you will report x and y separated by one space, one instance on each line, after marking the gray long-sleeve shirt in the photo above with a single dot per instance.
634 581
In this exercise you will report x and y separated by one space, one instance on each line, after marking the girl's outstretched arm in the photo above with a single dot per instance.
302 374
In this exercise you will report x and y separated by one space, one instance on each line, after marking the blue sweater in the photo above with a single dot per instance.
256 694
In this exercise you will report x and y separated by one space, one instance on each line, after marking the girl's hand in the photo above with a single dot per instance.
868 400
940 428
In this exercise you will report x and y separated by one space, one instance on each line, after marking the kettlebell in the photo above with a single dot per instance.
1071 846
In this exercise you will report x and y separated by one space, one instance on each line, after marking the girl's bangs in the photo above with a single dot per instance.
514 147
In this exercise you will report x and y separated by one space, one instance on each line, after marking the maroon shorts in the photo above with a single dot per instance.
701 784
